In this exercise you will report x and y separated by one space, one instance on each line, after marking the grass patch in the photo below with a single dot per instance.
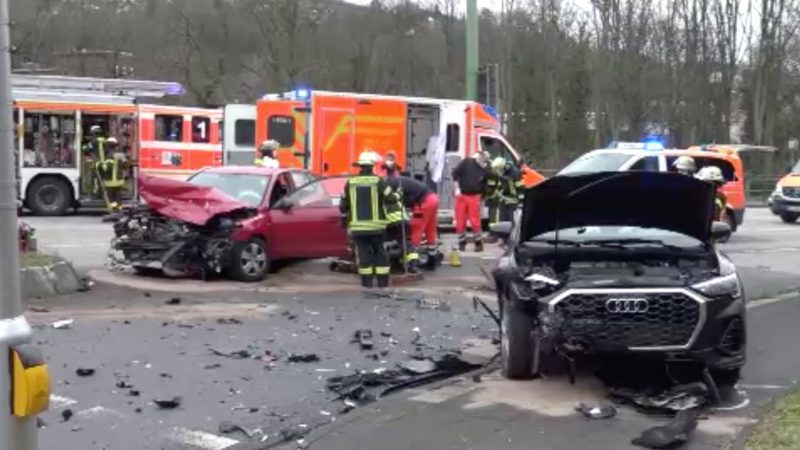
780 429
33 259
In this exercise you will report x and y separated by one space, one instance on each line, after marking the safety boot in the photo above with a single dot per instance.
478 245
383 281
462 242
367 281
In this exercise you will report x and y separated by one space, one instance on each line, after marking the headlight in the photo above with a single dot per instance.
727 283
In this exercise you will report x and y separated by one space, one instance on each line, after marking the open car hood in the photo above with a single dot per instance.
666 201
185 201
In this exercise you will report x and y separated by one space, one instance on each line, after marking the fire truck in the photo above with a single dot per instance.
325 132
53 116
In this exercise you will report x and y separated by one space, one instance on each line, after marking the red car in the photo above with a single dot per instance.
246 217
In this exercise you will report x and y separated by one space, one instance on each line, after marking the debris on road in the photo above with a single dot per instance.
212 366
84 372
364 339
302 358
173 301
63 324
171 403
433 304
418 366
671 435
66 414
476 301
226 427
678 398
38 309
229 321
237 354
596 412
122 384
386 334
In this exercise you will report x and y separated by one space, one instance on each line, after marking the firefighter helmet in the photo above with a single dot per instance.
498 163
367 158
685 164
711 174
269 144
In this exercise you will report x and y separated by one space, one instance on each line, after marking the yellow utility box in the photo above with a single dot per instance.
30 381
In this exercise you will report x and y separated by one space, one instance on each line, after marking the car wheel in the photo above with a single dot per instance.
49 196
789 218
250 261
516 327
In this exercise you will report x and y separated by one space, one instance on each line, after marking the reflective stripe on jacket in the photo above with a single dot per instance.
365 201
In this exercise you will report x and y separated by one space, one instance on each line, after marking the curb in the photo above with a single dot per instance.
47 281
319 284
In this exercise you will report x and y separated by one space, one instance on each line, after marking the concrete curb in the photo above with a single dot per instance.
320 284
46 281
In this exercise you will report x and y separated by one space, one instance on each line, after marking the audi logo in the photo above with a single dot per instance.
627 305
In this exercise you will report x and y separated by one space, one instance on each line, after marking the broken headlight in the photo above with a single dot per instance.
727 283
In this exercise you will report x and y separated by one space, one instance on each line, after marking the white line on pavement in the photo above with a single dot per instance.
774 387
97 411
57 401
206 441
769 301
57 246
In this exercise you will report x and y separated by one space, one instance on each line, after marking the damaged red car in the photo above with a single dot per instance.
232 221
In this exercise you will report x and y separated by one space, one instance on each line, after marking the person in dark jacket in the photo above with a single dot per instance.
423 203
470 178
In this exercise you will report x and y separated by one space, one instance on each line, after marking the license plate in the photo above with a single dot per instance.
793 208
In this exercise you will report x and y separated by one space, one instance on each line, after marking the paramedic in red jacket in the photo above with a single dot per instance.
470 177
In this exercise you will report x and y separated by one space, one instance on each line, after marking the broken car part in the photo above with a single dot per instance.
171 403
596 412
671 435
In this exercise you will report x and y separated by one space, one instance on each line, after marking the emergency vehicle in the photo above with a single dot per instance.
53 115
324 132
652 156
785 199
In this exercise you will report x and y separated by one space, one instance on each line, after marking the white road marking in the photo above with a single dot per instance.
762 386
97 411
206 441
57 246
769 301
57 401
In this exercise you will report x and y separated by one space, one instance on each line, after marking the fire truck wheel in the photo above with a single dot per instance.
49 196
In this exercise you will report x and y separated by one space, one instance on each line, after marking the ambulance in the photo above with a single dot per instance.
784 201
53 116
325 131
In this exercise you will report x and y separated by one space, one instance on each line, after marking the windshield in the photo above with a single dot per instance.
628 235
247 188
597 162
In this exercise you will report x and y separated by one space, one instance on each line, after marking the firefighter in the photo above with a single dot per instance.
510 190
364 202
397 228
266 156
493 189
685 165
713 175
418 197
470 178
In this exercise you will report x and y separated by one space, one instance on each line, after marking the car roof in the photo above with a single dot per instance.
245 170
666 152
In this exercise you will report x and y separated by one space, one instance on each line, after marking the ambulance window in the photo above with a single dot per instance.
169 128
201 130
281 128
453 137
496 148
245 132
646 164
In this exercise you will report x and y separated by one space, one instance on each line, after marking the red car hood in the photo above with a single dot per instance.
185 201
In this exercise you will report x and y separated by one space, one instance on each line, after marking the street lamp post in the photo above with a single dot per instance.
15 433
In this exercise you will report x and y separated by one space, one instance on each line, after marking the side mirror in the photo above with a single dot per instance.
501 230
283 204
720 231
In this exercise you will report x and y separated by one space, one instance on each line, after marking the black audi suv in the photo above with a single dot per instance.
619 264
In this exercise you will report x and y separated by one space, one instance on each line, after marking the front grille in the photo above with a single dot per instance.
791 192
669 321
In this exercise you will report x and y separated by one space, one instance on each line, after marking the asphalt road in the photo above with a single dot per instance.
166 350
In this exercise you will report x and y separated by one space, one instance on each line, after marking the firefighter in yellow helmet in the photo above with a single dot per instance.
364 202
713 175
266 157
685 165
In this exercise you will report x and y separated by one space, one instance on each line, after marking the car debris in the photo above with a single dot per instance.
173 301
212 366
477 301
418 366
229 321
226 427
171 403
84 372
67 414
122 384
237 354
364 339
433 304
596 412
63 324
681 397
38 309
671 435
302 358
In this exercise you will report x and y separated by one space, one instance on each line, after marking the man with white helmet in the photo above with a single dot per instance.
713 175
364 202
685 165
266 156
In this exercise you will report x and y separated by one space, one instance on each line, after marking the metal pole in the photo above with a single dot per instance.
471 73
17 434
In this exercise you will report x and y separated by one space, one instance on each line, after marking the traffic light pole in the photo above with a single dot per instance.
471 69
15 433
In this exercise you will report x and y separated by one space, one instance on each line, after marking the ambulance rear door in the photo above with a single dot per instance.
285 122
239 135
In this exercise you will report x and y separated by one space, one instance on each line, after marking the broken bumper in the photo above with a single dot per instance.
676 324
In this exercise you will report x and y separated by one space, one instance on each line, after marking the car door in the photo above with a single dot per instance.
308 220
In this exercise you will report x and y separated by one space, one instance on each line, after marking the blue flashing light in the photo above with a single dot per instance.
653 145
491 111
302 93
